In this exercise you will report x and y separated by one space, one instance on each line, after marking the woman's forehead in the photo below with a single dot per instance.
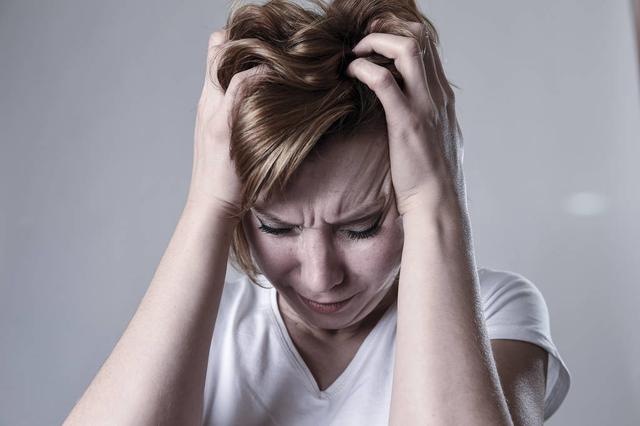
338 213
330 193
341 176
360 157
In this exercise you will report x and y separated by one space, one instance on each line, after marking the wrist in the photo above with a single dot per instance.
212 210
436 198
441 209
440 224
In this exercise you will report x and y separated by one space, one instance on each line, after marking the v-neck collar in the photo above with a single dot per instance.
299 363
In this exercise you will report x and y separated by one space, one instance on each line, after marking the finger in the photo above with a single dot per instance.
434 80
434 58
440 69
448 99
406 55
237 85
381 81
216 40
440 87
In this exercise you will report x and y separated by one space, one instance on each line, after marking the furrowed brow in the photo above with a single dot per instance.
358 216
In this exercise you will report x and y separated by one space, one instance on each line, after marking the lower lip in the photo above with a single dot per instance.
328 308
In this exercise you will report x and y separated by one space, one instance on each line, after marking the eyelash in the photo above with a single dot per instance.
352 235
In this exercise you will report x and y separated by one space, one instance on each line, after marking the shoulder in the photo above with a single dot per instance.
241 297
510 294
492 280
238 285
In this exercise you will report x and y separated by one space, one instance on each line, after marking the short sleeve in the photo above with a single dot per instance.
514 308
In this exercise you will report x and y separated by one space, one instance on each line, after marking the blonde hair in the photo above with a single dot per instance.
304 97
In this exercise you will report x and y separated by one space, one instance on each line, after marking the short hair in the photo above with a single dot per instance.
304 97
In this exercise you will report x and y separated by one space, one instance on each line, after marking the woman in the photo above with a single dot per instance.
328 159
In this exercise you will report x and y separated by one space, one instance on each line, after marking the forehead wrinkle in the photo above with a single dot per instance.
363 211
370 180
360 165
378 188
369 177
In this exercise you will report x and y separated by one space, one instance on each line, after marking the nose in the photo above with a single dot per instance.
320 264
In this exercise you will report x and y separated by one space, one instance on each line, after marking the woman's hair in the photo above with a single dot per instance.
304 96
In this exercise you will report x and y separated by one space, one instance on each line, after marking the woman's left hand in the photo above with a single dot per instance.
425 142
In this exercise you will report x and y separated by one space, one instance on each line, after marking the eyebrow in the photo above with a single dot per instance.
363 213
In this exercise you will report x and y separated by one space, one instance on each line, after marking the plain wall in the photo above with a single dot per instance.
97 109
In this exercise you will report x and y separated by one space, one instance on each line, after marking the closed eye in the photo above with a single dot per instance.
353 235
275 231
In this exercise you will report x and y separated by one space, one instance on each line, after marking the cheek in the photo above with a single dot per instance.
375 260
271 255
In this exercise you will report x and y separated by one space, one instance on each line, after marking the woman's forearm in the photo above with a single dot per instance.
444 372
155 374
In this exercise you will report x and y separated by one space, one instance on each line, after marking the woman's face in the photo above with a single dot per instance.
327 247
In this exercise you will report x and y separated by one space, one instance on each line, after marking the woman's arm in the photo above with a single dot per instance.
155 374
444 371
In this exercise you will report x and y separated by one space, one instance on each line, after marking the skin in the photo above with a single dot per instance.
155 374
317 259
444 372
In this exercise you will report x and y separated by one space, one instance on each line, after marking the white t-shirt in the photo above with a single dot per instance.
256 376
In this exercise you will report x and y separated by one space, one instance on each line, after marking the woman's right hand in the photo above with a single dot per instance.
214 180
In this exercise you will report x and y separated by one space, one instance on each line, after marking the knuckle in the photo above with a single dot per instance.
382 79
419 29
415 27
449 101
416 124
446 102
449 95
236 80
212 73
216 38
411 47
431 116
241 76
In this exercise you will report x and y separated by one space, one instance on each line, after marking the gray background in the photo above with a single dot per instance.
97 107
